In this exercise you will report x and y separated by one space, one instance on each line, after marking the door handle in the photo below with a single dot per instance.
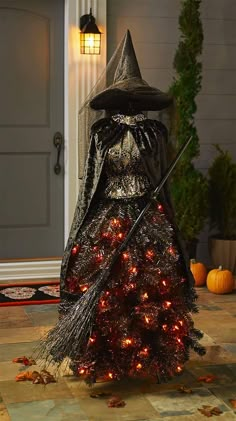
58 142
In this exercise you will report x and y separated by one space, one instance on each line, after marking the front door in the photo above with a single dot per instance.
31 112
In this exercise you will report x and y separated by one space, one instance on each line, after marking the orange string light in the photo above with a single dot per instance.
133 269
125 255
115 222
143 352
83 288
171 250
75 250
147 319
139 366
149 254
120 235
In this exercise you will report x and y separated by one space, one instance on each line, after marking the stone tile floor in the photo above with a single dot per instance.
69 398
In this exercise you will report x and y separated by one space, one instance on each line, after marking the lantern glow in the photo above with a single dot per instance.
90 36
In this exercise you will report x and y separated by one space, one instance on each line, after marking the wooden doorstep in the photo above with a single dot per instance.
34 259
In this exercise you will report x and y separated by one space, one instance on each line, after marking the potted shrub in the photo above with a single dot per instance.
222 210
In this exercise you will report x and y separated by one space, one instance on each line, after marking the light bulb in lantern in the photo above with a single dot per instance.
90 36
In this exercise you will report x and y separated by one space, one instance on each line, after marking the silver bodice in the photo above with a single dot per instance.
125 175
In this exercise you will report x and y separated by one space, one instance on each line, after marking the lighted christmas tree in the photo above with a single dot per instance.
125 307
142 324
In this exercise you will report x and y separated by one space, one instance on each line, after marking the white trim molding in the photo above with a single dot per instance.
36 269
81 74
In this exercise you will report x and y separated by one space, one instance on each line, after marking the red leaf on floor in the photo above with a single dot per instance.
233 402
44 377
209 411
185 389
26 375
209 378
47 377
116 402
24 360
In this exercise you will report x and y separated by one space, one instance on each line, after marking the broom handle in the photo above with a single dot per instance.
154 196
106 272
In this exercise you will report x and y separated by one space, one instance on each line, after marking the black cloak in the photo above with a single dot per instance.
150 137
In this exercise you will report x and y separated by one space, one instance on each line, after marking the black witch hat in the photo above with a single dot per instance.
128 89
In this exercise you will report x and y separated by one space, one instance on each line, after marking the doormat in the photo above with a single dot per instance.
25 293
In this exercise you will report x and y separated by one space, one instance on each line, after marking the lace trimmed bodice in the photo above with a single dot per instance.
125 175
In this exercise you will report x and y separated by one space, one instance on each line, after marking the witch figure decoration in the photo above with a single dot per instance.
128 316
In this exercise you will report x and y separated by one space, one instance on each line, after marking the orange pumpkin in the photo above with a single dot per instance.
199 272
220 281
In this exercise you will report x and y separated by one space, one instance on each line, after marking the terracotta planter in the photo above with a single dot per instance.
223 252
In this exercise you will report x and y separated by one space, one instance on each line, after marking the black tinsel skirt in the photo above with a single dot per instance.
143 322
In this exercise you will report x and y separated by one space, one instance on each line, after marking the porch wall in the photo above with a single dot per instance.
154 28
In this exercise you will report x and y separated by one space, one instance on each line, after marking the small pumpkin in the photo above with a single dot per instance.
220 281
199 272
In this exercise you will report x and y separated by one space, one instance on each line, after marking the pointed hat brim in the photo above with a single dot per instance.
128 88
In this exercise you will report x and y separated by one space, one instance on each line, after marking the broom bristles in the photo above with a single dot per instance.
71 333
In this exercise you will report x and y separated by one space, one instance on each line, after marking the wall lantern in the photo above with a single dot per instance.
90 36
